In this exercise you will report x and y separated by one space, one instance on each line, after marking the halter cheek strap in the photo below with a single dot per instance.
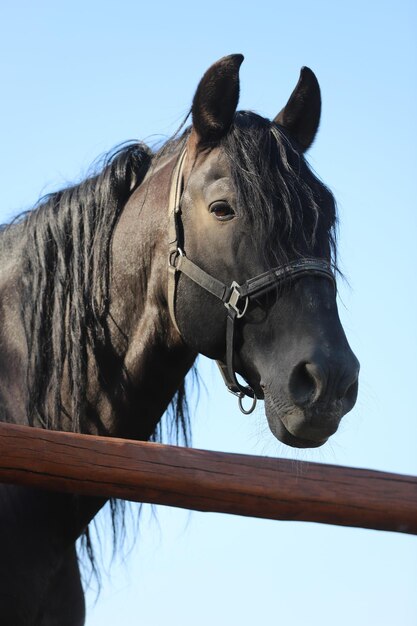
173 232
235 298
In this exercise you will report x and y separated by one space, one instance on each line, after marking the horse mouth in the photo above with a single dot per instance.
296 428
281 432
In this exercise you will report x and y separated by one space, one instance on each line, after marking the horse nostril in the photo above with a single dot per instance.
306 383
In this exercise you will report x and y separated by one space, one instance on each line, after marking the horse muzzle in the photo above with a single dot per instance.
309 411
301 428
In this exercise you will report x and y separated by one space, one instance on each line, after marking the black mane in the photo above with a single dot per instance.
65 282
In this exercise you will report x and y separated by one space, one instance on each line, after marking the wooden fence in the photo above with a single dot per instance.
208 481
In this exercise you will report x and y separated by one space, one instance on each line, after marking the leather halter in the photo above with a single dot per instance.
235 298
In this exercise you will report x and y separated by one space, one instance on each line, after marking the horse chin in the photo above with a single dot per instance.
292 425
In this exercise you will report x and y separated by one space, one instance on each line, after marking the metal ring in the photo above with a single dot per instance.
251 408
173 256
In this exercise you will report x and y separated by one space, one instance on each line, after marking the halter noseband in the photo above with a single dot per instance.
235 297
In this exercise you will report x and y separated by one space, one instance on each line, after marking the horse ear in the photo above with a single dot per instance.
301 114
216 99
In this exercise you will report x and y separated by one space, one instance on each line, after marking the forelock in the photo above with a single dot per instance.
291 211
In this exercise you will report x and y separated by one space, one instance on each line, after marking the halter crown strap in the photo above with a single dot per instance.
235 297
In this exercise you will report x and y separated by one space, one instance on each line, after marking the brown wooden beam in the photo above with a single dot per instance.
208 481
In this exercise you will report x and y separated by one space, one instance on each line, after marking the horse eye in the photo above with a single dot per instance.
222 210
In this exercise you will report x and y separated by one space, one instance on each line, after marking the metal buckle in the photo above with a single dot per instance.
234 298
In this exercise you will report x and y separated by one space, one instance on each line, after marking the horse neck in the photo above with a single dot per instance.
146 363
142 338
155 358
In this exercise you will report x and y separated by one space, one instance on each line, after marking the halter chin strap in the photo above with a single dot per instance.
235 298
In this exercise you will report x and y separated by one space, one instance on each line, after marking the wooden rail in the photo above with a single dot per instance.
208 481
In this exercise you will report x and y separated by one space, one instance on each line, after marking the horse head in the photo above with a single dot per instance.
252 238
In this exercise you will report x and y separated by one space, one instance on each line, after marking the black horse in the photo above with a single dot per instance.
221 243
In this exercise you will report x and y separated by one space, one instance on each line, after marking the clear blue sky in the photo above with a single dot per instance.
78 78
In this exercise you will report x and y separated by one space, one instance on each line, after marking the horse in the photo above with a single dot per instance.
221 242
